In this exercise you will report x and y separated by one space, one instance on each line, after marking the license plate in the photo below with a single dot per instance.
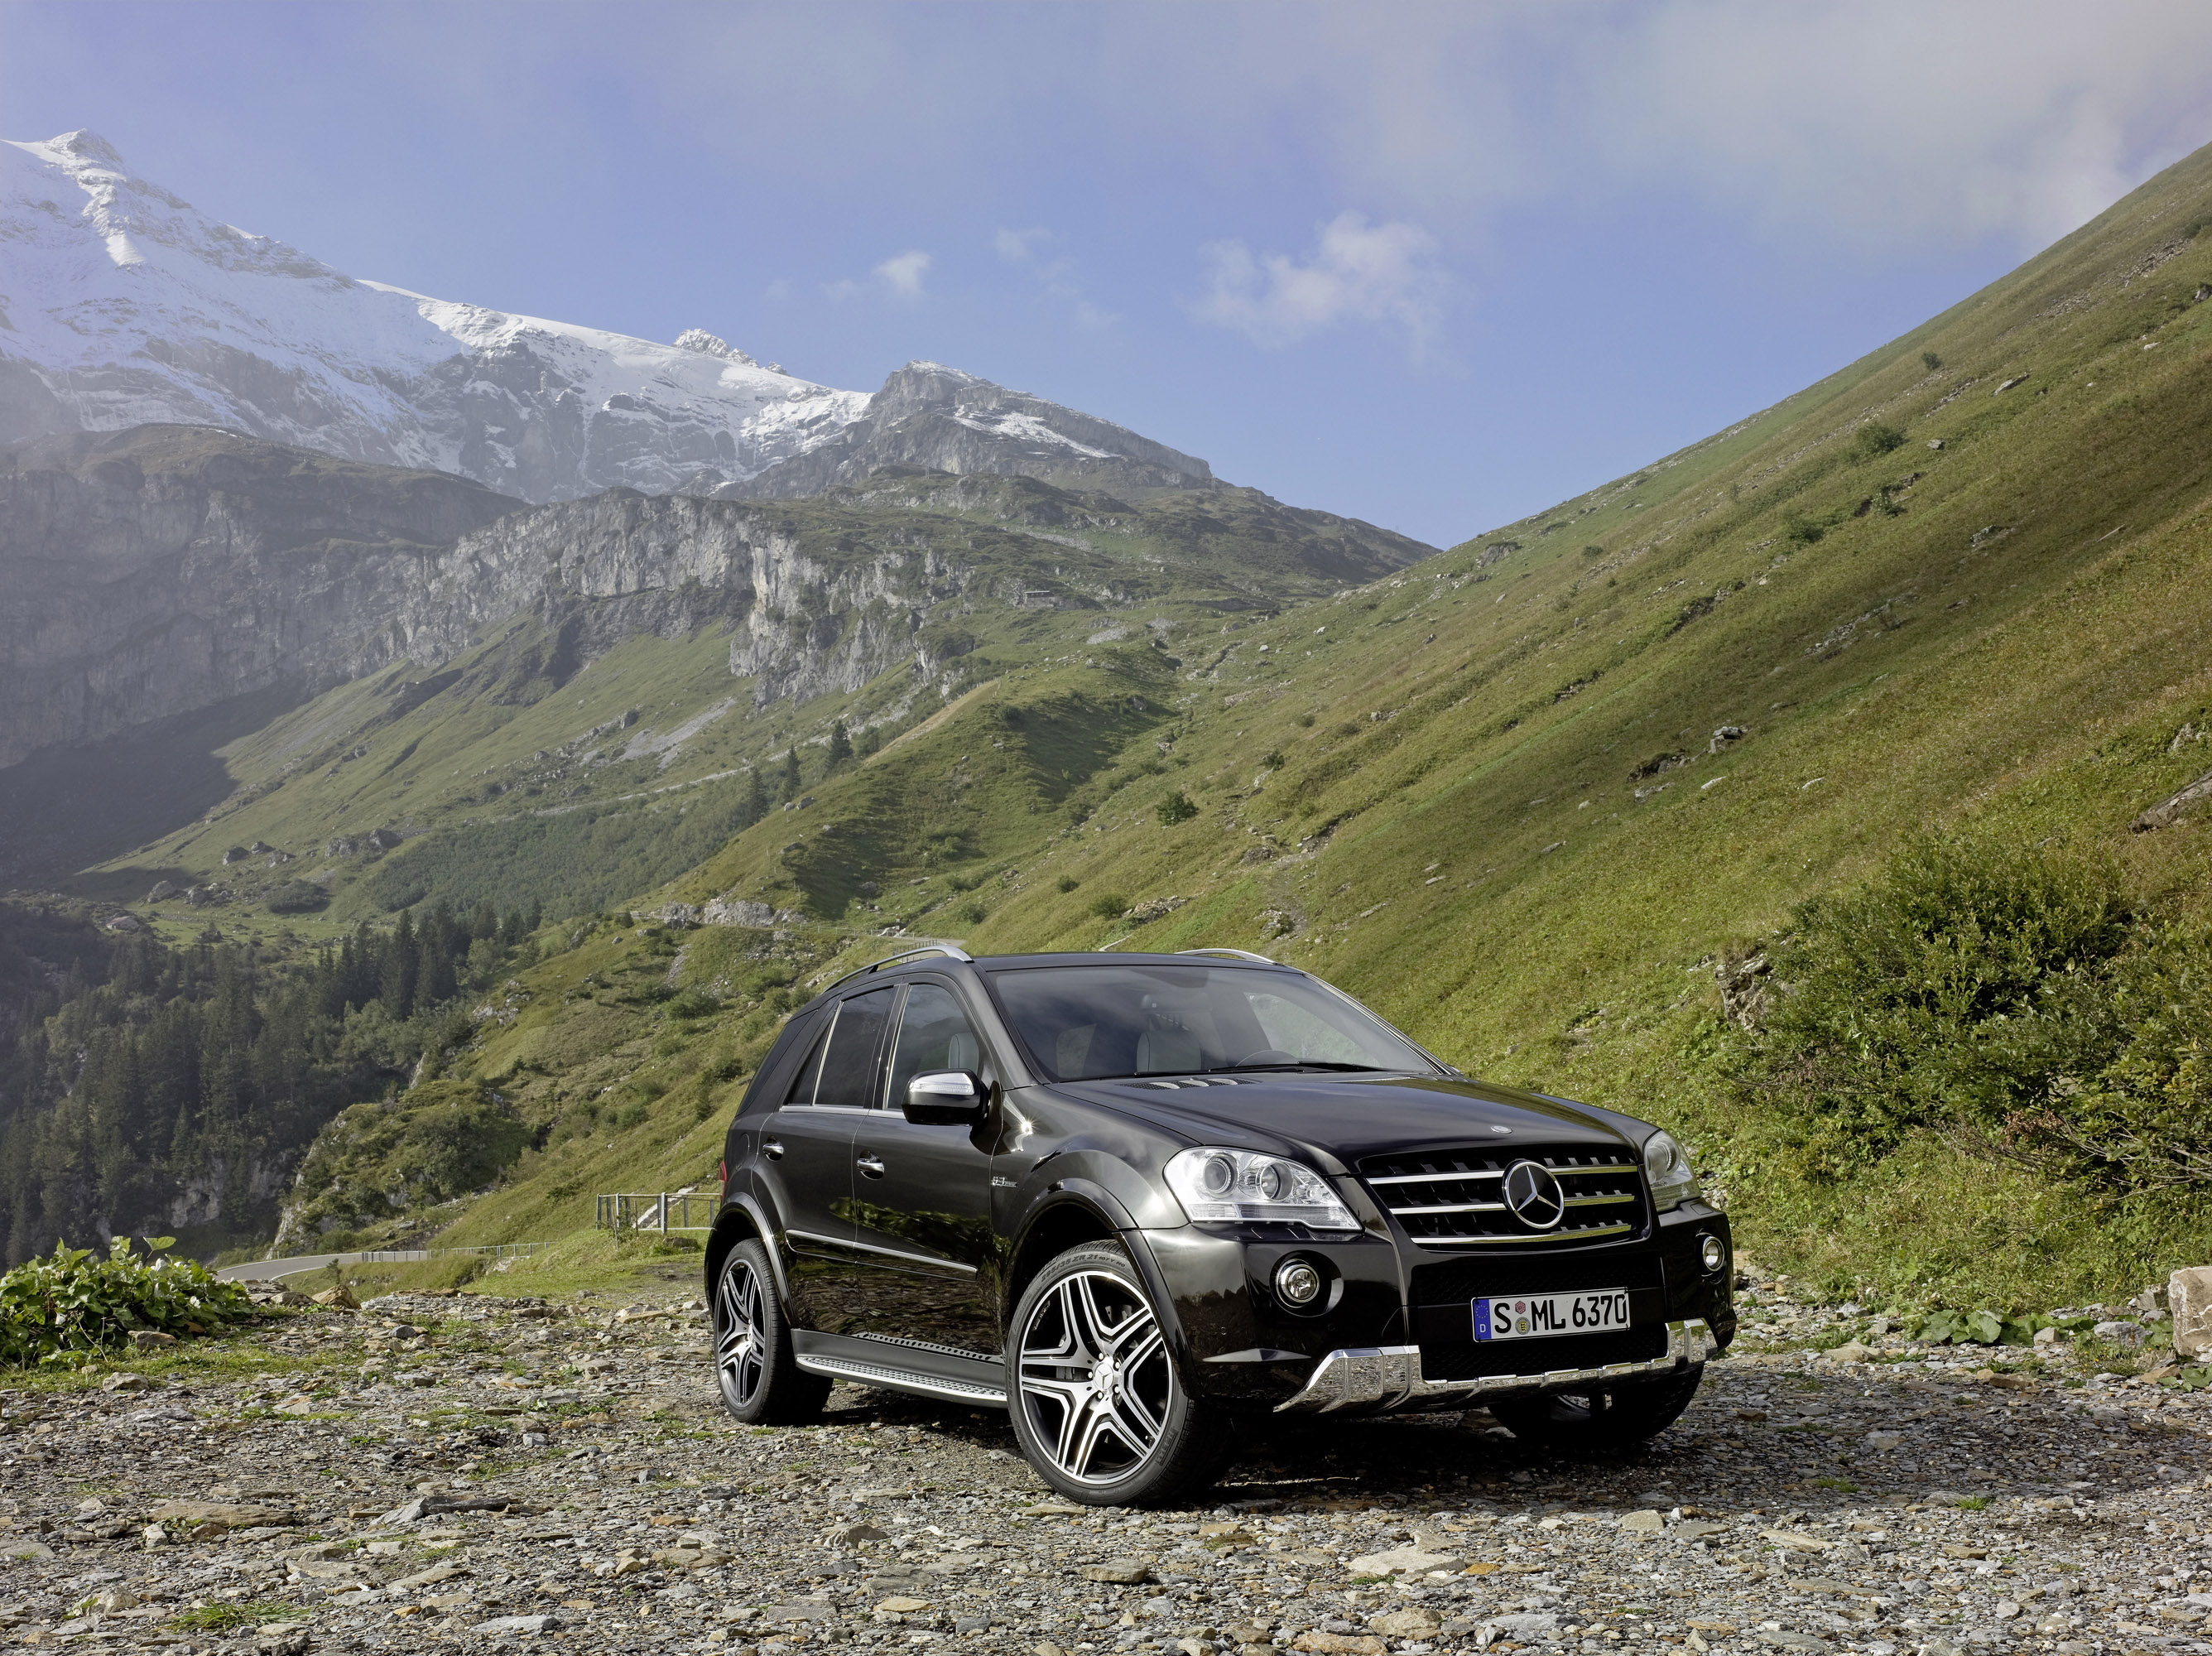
1535 1316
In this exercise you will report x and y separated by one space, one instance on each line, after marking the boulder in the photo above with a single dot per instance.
2189 1295
1402 1561
2119 1333
163 890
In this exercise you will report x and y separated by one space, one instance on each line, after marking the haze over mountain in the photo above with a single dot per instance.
124 305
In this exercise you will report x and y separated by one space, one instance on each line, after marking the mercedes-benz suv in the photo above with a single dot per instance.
1131 1197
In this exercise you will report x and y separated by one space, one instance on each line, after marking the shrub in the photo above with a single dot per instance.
974 913
1112 906
1801 529
1593 551
68 1305
1874 439
1931 361
1065 882
1273 759
693 1003
1176 807
2013 1000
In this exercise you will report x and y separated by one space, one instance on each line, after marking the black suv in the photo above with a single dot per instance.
1131 1197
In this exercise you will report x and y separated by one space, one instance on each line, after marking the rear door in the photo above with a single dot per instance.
921 1196
806 1158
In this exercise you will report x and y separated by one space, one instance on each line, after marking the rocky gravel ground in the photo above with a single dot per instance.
472 1472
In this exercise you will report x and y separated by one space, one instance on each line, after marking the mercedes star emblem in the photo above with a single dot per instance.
1534 1195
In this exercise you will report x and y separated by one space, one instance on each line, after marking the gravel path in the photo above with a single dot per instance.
468 1472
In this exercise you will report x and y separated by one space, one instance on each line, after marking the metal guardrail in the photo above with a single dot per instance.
663 1211
409 1256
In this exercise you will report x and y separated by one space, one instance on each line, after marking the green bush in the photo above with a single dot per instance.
1066 883
2015 1001
974 913
693 1003
1873 438
1931 361
1176 808
1111 906
1801 530
71 1304
1953 990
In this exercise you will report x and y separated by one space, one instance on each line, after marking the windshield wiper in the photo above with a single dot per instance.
1303 1063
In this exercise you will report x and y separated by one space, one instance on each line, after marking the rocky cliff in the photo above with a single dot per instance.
161 569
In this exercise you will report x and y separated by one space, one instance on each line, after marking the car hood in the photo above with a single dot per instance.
1344 1119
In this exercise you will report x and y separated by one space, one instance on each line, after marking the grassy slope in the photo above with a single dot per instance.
2021 645
1454 832
459 757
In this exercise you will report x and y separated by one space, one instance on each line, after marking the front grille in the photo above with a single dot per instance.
1469 1360
1456 1198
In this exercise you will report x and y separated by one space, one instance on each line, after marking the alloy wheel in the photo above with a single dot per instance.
1095 1379
741 1332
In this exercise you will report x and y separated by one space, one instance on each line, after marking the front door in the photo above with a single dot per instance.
921 1196
806 1150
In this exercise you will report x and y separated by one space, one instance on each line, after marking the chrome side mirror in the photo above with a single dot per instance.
945 1097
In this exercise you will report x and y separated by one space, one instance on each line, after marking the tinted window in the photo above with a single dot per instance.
802 1089
1088 1023
934 1034
848 1068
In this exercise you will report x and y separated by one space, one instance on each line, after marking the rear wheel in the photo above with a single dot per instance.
762 1384
1616 1418
1098 1403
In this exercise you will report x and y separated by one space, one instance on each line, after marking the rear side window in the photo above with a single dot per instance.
810 1075
849 1061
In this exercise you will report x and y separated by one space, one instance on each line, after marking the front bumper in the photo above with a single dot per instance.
1375 1378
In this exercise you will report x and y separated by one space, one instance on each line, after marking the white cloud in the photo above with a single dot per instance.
900 276
902 272
1384 274
1018 247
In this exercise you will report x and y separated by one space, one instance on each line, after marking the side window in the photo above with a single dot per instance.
934 1034
849 1067
802 1089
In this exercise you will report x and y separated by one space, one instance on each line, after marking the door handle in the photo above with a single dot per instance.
871 1165
772 1148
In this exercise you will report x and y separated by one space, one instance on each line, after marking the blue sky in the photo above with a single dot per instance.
1435 266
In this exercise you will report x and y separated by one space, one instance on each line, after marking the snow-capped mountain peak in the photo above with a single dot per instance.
121 304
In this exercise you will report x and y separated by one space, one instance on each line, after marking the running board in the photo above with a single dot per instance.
901 1379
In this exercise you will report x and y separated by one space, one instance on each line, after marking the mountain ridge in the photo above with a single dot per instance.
126 306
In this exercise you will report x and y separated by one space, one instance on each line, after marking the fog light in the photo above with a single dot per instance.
1297 1283
1714 1251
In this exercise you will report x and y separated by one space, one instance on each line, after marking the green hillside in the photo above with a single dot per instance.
1536 798
545 766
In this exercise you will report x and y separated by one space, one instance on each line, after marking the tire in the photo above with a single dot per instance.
1138 1437
1599 1422
760 1383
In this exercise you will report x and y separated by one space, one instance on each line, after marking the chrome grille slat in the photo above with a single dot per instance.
1452 1198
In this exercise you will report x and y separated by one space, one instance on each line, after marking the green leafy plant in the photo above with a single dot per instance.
73 1304
1065 882
1110 906
1931 361
1176 808
1875 438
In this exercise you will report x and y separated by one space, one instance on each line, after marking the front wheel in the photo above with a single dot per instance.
1096 1402
760 1382
1613 1420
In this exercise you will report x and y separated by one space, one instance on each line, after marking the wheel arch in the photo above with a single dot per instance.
1075 1211
738 1220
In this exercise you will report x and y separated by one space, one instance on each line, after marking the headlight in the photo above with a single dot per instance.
1667 1165
1234 1187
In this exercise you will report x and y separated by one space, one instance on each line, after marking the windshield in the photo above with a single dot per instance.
1095 1023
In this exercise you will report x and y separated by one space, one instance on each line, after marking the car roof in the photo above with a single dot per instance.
898 965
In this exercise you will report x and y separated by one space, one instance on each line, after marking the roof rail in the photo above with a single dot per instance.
953 950
1240 954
